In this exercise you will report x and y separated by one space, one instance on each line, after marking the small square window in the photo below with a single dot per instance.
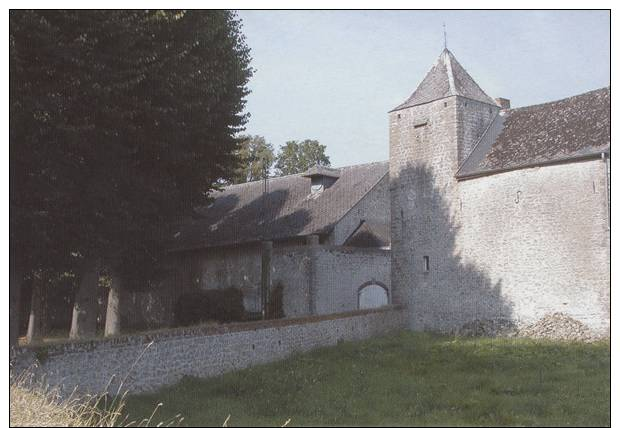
427 265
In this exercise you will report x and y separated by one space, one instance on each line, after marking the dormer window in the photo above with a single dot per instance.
316 186
321 179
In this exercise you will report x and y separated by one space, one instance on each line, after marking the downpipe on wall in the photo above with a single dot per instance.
607 189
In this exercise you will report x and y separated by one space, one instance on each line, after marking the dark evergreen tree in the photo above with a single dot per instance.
121 122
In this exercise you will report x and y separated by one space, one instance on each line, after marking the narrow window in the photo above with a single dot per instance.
398 116
445 104
427 266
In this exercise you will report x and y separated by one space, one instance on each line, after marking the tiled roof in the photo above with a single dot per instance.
560 130
243 213
446 78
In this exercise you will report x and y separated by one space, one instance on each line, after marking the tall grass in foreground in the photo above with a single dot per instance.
32 403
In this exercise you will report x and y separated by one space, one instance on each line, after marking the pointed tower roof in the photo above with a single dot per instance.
446 78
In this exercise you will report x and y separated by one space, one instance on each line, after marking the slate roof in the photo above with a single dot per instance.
241 213
570 128
446 78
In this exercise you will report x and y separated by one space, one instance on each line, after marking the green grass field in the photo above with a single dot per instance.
405 379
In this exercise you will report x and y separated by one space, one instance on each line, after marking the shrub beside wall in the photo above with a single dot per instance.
223 305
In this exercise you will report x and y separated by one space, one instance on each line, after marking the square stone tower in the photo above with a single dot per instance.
431 134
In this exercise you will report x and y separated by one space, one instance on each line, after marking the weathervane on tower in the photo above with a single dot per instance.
445 37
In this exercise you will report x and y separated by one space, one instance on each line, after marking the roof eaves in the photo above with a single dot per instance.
567 159
404 106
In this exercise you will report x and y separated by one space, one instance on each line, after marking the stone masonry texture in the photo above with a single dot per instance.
201 352
332 272
516 245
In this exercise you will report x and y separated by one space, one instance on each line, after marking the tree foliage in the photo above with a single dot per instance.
296 157
121 121
255 158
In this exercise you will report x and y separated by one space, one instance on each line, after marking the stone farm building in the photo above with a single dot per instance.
483 212
330 239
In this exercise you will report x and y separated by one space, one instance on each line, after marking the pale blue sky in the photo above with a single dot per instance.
333 75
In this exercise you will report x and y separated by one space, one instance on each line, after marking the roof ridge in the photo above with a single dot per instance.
449 71
364 164
277 177
559 99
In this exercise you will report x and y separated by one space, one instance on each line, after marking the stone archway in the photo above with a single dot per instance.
372 294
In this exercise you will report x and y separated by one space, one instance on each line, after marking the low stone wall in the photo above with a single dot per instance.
146 362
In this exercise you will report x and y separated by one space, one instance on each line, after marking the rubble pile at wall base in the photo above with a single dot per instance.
559 326
556 326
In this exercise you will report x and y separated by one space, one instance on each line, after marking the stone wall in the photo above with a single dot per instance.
145 310
201 352
342 271
515 245
330 274
541 237
293 269
423 161
236 266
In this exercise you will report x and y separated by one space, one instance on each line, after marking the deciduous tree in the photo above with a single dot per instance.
255 159
296 157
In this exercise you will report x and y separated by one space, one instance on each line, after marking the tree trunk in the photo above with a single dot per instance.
113 312
84 320
34 320
16 278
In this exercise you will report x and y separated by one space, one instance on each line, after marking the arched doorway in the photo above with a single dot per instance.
372 294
